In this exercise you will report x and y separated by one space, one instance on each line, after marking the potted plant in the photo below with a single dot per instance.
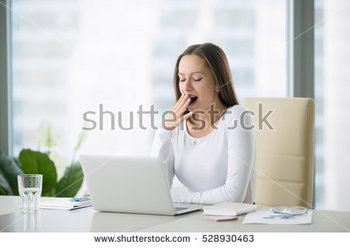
38 162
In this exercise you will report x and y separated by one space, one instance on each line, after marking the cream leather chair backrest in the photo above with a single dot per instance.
285 154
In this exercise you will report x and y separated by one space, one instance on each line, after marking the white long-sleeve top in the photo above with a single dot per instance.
219 167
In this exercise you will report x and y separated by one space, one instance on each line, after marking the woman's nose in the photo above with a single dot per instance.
187 85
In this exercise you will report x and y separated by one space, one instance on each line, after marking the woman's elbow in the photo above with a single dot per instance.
232 195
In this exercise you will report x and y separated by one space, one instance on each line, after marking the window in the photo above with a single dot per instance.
70 57
332 87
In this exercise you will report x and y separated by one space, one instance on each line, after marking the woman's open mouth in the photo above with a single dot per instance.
193 100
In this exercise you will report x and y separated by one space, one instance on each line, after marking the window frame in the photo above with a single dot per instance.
301 42
5 78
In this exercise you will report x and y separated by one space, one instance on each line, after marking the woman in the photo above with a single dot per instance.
207 139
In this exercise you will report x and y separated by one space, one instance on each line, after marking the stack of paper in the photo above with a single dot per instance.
229 209
267 217
65 203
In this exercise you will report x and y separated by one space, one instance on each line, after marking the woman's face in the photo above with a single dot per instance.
196 79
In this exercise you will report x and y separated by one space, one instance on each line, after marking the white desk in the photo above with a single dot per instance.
88 220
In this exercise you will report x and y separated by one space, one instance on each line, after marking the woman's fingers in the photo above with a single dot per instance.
180 102
186 116
173 119
184 106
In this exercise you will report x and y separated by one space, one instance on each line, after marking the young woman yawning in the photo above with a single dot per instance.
207 140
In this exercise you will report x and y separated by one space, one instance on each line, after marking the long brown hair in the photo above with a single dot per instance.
216 60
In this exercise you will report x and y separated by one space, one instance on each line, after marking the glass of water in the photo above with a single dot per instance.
29 188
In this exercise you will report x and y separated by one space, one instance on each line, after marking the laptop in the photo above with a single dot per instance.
130 185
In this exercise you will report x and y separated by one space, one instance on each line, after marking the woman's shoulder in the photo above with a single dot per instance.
235 112
238 113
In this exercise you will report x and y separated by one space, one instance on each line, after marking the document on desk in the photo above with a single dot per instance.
267 217
65 203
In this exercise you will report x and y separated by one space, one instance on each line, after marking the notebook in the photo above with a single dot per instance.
65 203
229 209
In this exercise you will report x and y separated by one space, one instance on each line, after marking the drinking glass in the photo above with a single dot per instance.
29 188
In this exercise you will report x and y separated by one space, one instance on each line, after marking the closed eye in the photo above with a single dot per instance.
195 79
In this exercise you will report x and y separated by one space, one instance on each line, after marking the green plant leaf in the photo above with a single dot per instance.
2 191
71 181
16 160
8 172
33 162
5 188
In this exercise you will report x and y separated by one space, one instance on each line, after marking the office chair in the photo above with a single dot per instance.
285 153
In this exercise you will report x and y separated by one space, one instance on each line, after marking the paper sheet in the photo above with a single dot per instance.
267 217
64 204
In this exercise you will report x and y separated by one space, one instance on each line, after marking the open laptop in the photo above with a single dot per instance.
130 185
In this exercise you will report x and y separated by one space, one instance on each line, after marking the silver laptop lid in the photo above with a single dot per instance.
127 184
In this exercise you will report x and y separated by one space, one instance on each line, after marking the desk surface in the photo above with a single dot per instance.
88 220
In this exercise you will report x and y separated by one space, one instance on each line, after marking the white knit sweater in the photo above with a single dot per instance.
219 167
